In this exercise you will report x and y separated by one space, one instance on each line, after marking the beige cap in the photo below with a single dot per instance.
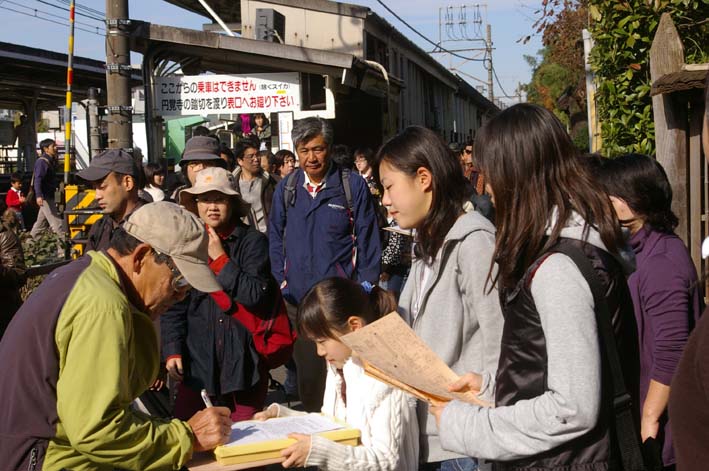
214 179
173 231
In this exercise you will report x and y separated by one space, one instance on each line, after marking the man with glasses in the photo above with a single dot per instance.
200 152
83 347
322 224
255 185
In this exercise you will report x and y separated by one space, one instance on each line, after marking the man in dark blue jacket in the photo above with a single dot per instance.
315 232
44 184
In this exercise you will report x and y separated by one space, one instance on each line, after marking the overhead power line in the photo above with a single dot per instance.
424 37
504 93
78 13
79 6
35 10
36 15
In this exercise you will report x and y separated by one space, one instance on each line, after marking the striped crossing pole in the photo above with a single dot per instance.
67 111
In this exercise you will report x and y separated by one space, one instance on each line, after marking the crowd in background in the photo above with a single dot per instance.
551 282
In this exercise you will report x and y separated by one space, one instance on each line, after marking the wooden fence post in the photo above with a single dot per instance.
666 57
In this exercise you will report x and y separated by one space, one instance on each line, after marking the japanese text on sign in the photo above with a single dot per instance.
212 94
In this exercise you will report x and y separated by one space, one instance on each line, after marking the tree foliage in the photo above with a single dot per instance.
558 78
623 32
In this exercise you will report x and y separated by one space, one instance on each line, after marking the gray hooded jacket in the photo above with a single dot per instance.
456 316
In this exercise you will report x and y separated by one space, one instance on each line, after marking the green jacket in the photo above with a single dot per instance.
108 355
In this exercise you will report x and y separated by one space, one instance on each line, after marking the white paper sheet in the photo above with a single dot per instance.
254 431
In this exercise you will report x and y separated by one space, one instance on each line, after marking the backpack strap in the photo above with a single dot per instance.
346 172
626 432
346 186
289 190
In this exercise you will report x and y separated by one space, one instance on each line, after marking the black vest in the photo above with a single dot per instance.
522 369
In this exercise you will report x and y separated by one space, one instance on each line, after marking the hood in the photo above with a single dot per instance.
574 229
467 223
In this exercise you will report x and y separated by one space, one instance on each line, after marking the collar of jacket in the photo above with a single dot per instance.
238 231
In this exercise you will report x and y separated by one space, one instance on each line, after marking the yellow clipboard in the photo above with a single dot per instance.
269 452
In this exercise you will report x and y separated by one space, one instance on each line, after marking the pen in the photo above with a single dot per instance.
205 398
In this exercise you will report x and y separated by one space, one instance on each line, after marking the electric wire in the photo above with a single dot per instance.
78 13
424 37
85 8
2 6
11 2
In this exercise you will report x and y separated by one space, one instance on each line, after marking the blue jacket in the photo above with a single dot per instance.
45 177
312 240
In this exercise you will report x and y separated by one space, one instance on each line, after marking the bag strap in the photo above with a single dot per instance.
626 432
346 172
289 190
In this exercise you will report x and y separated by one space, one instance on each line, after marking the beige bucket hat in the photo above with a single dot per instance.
176 232
214 179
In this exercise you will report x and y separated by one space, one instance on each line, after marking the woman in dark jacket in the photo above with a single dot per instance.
666 295
553 390
203 345
12 275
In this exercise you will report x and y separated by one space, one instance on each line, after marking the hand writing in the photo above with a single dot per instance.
211 428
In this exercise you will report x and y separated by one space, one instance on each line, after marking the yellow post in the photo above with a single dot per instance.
67 111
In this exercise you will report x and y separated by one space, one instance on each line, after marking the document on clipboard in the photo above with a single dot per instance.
392 353
258 443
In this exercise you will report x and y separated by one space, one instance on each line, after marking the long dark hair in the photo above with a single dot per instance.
642 183
325 308
533 167
418 147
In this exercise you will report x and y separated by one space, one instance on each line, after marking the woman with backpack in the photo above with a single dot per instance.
557 237
444 299
214 341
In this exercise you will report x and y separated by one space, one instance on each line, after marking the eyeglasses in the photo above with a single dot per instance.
251 156
178 281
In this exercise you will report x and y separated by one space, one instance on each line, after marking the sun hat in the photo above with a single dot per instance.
214 179
174 231
202 148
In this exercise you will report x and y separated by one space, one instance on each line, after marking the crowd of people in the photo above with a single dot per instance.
551 282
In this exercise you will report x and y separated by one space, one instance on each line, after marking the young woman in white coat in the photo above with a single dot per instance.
386 417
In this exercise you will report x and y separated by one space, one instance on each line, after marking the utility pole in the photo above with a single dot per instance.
118 74
488 45
94 126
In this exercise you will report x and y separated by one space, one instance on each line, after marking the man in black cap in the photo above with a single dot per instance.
200 152
115 177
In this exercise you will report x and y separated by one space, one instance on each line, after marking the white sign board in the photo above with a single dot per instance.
184 95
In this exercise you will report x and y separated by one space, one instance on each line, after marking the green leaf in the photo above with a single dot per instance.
594 12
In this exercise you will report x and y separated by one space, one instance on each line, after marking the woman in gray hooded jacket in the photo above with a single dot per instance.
444 298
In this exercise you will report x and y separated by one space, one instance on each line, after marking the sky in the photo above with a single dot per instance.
509 19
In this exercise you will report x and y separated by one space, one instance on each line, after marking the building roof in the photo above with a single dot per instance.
227 9
25 71
230 54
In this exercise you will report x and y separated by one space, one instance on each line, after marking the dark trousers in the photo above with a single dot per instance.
311 374
310 369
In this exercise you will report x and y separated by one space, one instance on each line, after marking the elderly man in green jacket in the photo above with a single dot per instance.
83 347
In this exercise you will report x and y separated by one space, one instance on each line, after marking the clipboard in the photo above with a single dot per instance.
269 452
